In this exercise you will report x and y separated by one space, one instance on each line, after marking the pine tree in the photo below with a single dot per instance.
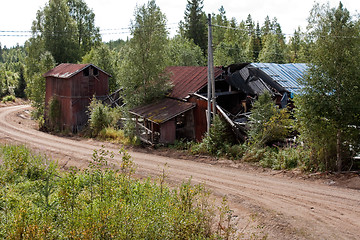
194 25
221 20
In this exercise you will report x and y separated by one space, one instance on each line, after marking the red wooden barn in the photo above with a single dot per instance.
74 85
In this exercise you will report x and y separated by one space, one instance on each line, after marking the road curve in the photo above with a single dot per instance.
311 210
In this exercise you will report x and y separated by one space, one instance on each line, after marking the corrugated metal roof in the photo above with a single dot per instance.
163 110
189 79
67 70
286 75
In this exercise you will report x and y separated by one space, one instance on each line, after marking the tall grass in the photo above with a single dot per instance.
37 201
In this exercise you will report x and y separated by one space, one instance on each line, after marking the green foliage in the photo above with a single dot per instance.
194 25
184 52
35 90
58 30
331 87
8 82
99 116
12 71
215 140
221 20
66 29
268 124
273 50
99 202
287 158
235 152
87 34
54 114
117 136
9 98
229 53
142 69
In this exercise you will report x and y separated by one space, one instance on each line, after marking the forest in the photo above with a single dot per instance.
326 120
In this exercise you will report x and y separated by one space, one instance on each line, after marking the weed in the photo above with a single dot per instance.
39 202
9 98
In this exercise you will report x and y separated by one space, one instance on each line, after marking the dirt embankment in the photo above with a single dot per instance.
281 205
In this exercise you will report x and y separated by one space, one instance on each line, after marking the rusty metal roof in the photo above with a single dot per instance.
189 79
67 70
162 110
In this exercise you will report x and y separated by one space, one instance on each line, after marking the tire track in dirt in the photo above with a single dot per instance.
322 212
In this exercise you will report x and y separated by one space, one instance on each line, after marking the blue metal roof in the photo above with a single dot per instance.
286 75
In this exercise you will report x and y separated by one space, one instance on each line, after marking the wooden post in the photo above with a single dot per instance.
208 115
136 126
211 66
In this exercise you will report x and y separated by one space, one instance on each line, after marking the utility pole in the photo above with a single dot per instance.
211 80
208 116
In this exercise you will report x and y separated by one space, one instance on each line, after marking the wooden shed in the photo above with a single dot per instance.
164 121
73 86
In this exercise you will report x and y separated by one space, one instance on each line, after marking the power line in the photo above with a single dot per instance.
287 34
109 31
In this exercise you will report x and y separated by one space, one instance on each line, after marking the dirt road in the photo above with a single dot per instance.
279 207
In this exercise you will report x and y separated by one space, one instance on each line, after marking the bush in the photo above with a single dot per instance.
286 158
267 123
9 98
98 202
54 114
117 136
100 117
235 152
215 140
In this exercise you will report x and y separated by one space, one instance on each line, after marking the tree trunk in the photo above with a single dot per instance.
338 151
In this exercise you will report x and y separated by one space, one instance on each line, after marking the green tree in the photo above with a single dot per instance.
332 85
267 122
144 63
295 45
273 43
87 34
229 53
1 53
59 30
266 28
67 29
36 83
220 20
194 25
273 50
254 44
184 52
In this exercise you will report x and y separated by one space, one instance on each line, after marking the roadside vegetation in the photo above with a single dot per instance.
38 201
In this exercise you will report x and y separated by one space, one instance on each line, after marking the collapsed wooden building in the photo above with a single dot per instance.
183 113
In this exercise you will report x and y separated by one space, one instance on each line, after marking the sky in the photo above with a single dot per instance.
114 16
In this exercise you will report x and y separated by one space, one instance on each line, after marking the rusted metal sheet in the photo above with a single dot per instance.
189 79
163 110
67 70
